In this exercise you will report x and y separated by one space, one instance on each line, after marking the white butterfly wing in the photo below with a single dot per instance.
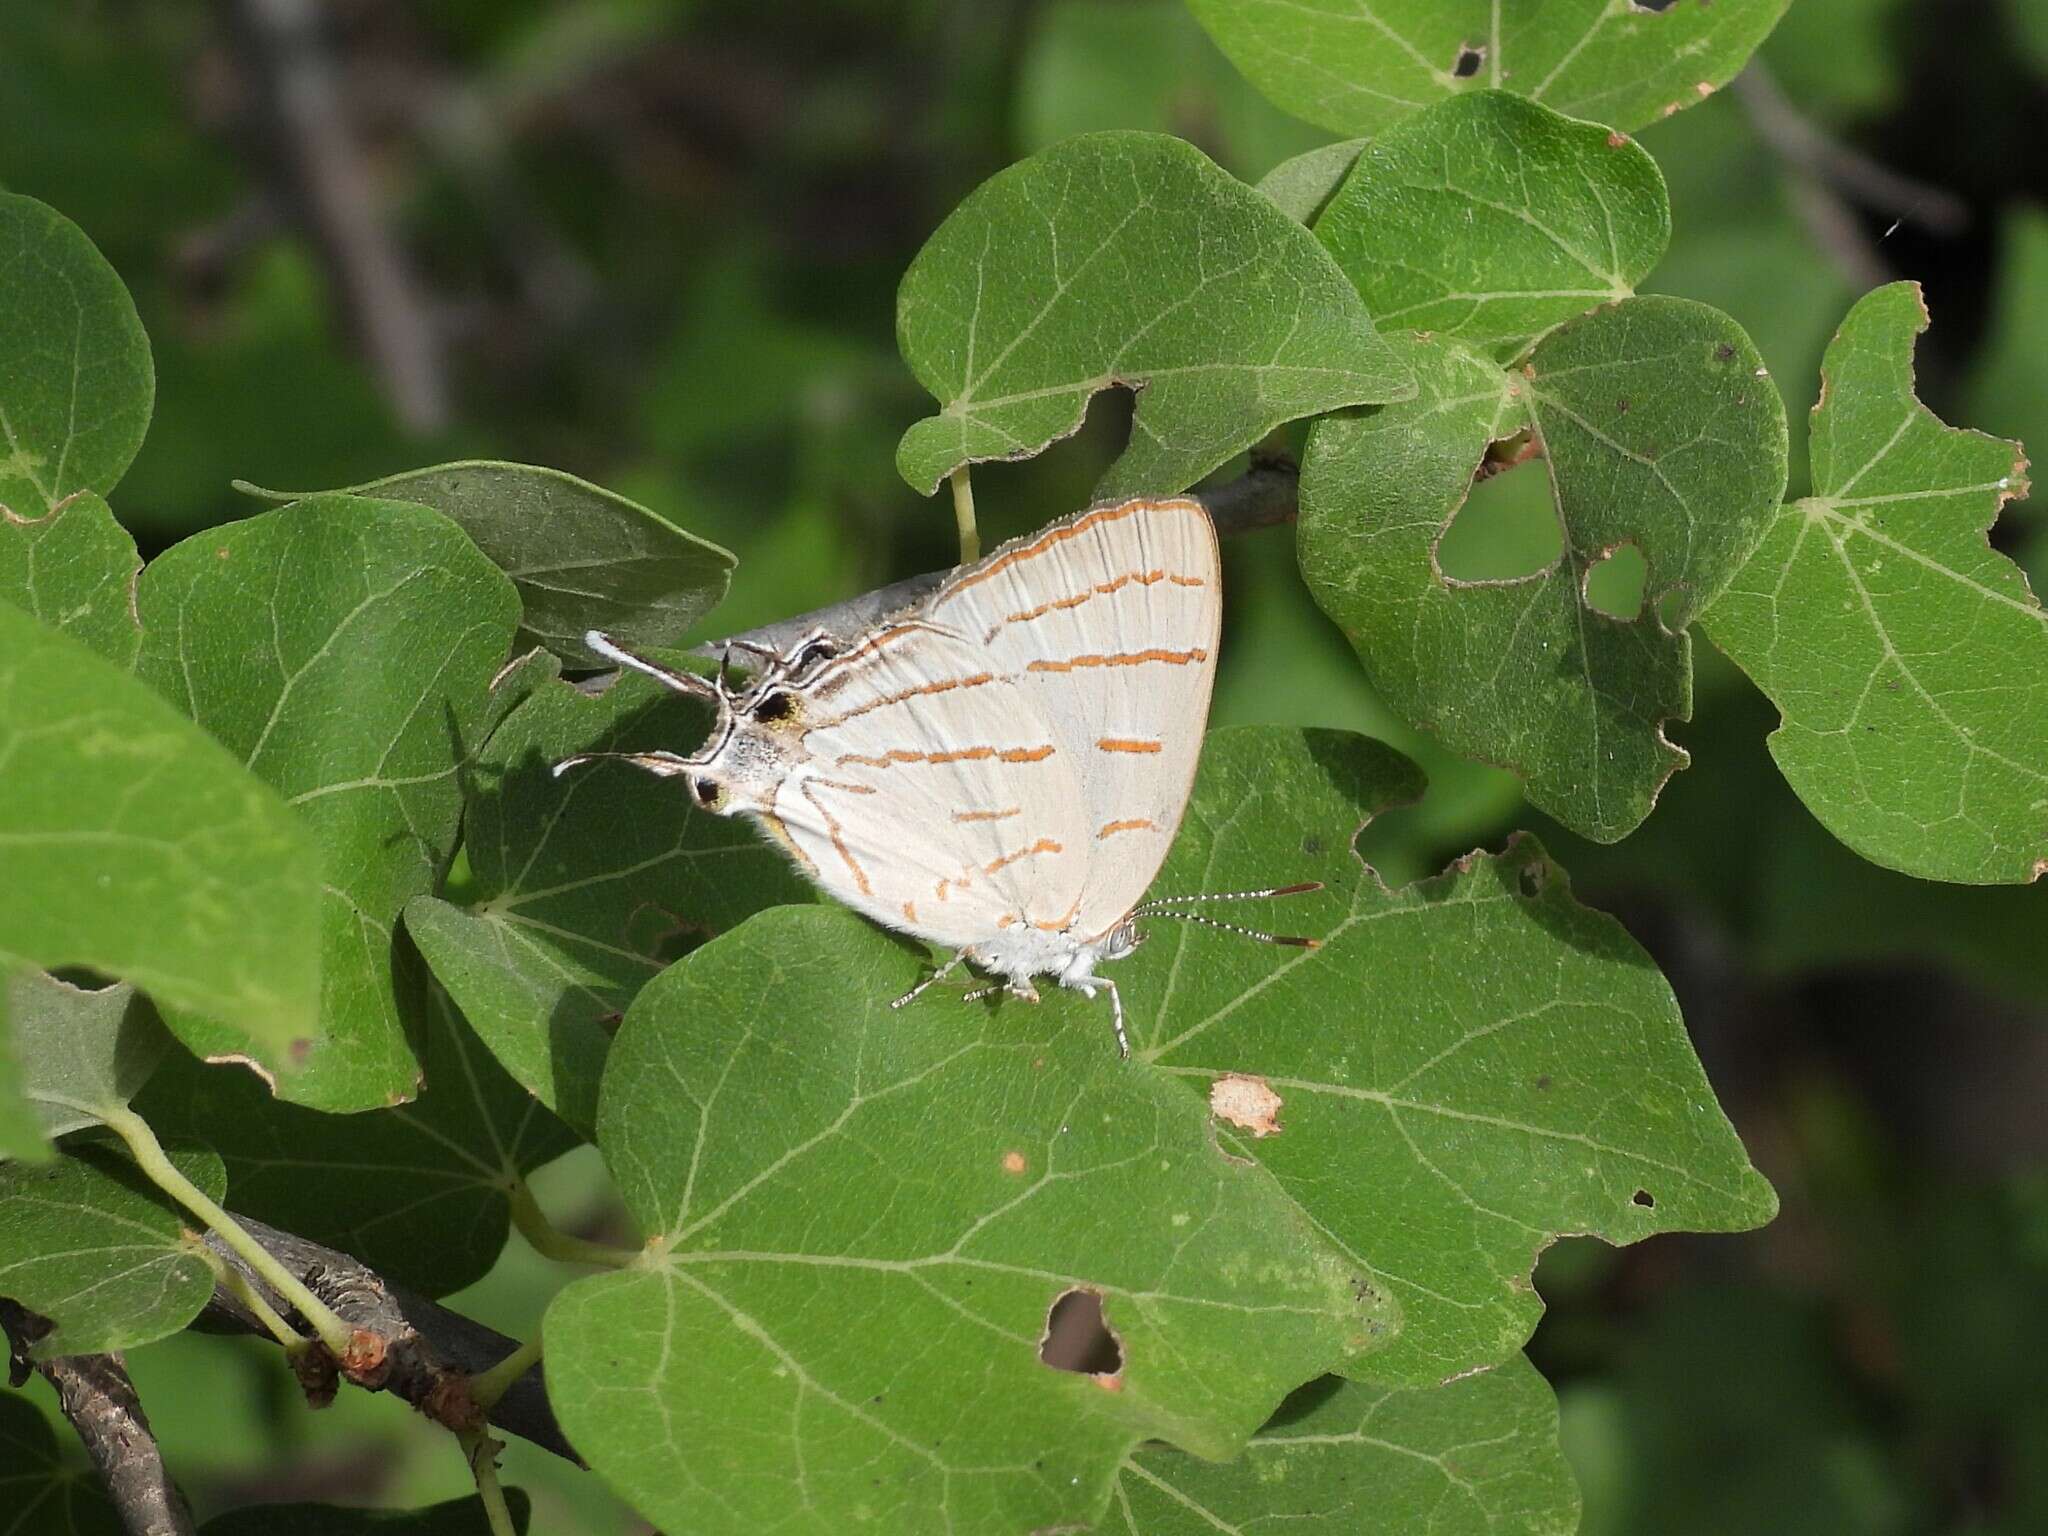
936 799
1109 619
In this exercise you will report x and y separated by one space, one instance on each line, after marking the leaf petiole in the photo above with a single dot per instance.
963 516
237 1285
487 1386
551 1242
481 1452
149 1155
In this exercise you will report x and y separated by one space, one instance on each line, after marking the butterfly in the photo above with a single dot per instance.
1002 768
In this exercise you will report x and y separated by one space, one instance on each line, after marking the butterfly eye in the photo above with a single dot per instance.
707 793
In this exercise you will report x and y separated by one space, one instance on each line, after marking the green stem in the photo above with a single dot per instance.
486 1387
481 1451
149 1156
963 517
237 1285
551 1243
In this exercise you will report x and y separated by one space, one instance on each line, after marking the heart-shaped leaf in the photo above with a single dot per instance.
861 1222
1506 1066
48 1495
419 1192
1490 219
81 1052
91 1244
76 384
1359 66
1474 1457
344 648
1659 432
582 557
134 845
1909 658
585 885
1126 259
74 568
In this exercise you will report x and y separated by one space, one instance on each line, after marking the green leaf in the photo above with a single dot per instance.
1491 219
1506 1066
21 1132
47 1495
581 557
75 378
344 648
453 1517
859 1220
82 1052
1359 66
74 568
585 886
92 1245
1909 659
134 845
1302 186
418 1192
1146 64
1126 259
1658 432
1475 1457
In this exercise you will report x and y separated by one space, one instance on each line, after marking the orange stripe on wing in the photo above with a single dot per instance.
942 685
1122 659
1139 824
967 816
1100 589
833 830
1057 536
1043 845
1127 744
959 755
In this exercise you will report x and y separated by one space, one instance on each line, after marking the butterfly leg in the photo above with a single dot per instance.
915 992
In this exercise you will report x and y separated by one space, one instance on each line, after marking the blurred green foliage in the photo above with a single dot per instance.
658 241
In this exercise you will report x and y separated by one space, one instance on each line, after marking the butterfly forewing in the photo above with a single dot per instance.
936 797
1109 621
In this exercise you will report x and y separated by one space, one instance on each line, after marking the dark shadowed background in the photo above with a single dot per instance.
656 242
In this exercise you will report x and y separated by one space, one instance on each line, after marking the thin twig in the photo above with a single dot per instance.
99 1400
1264 495
329 177
1827 175
1796 138
417 1349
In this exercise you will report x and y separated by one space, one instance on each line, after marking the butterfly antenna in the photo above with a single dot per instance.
680 682
664 764
1295 941
1149 908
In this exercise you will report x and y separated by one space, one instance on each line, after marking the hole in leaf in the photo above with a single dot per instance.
1668 607
1643 1198
1652 6
1507 529
1530 880
1077 1338
1468 61
1614 585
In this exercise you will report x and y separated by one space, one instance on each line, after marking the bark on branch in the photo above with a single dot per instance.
406 1345
100 1402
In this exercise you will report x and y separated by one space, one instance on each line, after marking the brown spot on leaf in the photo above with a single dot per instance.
1014 1162
1247 1102
1616 140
